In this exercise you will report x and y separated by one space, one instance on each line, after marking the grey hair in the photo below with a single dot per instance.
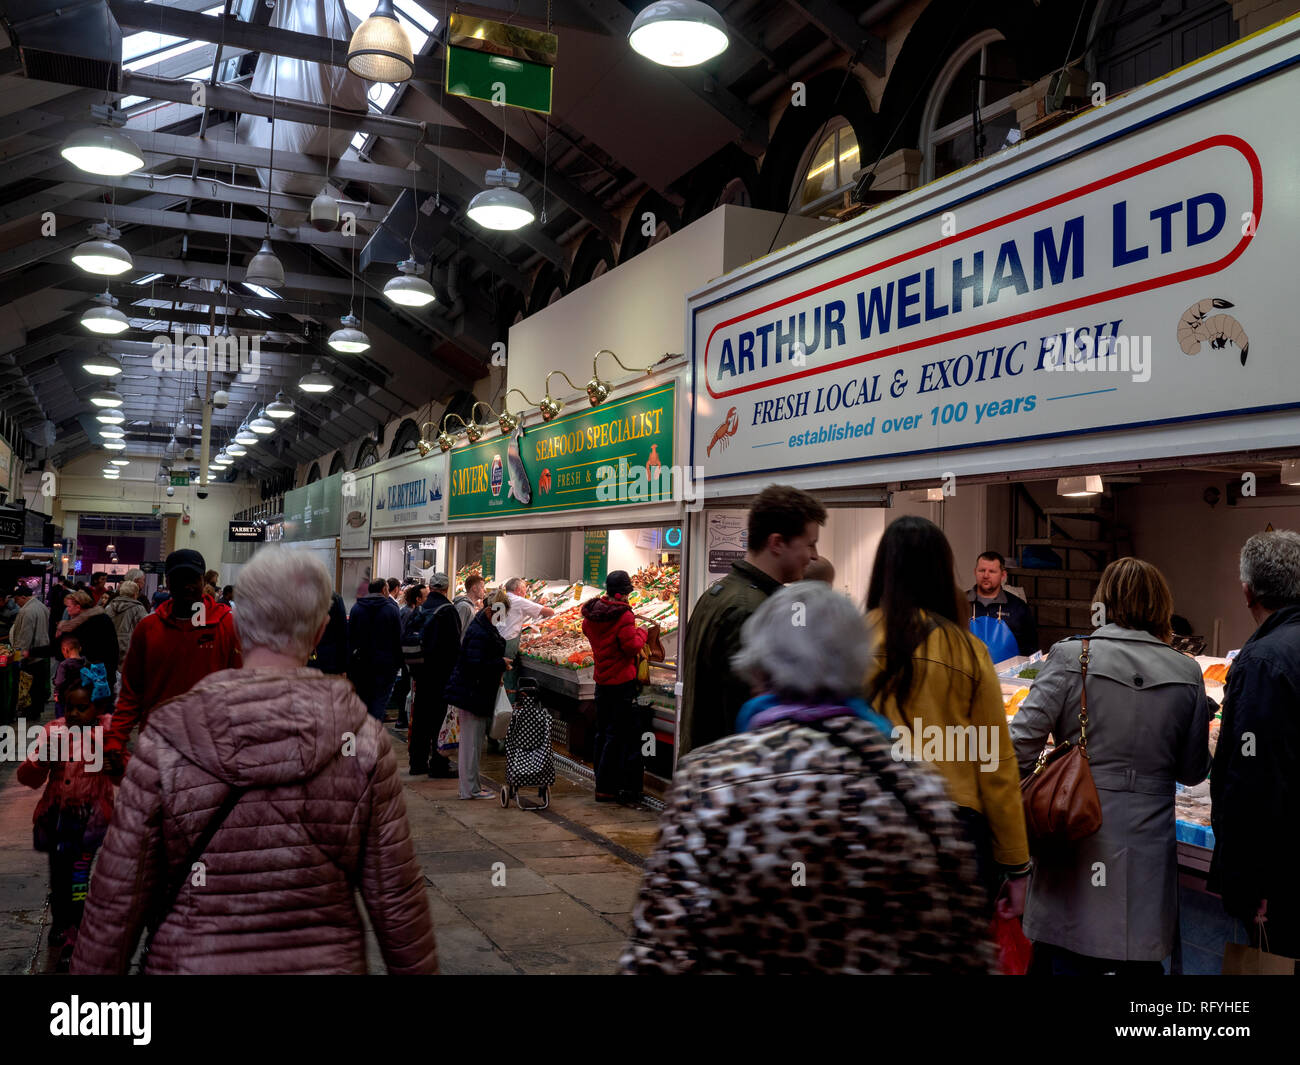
129 589
1270 567
513 584
807 641
284 595
136 575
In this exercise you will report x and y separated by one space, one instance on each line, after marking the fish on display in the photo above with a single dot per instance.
520 486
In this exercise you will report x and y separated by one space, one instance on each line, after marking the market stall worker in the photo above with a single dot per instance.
783 526
1255 779
169 653
616 640
30 634
988 599
518 612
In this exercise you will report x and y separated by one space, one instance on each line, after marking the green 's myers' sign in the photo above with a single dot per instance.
595 557
181 480
618 453
489 563
312 512
510 66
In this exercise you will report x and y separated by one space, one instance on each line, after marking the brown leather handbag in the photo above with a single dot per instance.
1060 797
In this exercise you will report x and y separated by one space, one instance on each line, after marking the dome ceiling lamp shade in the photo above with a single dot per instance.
109 416
108 396
678 33
103 150
265 268
324 212
315 381
349 339
111 432
120 462
236 449
380 50
408 288
246 436
103 317
280 408
262 425
101 364
115 445
100 255
500 206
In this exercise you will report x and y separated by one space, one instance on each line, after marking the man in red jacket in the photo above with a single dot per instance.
616 640
189 636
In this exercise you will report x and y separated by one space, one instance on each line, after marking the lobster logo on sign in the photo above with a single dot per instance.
497 476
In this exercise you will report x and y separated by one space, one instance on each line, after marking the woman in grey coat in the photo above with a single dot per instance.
1109 903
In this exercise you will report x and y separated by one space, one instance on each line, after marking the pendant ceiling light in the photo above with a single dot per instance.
102 150
100 255
280 408
108 396
103 317
349 339
265 268
501 206
182 430
245 436
119 462
316 381
324 213
111 432
101 364
115 445
380 50
236 449
408 288
109 416
678 33
262 425
222 459
194 405
111 471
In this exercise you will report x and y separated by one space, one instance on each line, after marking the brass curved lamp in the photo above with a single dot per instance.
510 420
550 407
598 390
506 421
446 441
424 445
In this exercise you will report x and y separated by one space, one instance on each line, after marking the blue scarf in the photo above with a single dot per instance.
763 710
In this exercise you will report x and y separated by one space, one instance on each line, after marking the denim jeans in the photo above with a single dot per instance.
377 703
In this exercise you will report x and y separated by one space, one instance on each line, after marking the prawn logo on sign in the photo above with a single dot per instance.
1198 325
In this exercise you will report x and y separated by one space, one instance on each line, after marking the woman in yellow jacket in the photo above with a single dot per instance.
935 682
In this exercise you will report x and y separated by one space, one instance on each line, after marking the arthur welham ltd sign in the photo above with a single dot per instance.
1131 269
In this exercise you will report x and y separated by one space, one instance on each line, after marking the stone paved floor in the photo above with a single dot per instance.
511 891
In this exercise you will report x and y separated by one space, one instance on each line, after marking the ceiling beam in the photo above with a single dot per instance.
200 297
843 30
160 18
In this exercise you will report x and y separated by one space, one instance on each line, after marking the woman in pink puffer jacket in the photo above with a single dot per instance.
255 809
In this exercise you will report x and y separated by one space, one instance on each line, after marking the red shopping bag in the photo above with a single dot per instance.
1014 950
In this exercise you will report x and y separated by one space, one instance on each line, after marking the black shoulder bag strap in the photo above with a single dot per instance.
195 852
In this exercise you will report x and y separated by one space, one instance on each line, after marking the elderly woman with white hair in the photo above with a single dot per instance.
276 783
802 844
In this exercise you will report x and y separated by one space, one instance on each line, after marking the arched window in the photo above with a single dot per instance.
313 475
827 168
336 463
367 454
736 192
405 439
981 75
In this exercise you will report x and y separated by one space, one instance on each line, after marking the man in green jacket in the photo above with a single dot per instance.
783 526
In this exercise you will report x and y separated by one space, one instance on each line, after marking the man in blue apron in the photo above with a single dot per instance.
1003 621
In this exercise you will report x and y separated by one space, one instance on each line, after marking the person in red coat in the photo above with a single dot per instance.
189 636
616 640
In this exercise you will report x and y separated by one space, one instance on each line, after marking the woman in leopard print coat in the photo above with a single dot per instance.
801 845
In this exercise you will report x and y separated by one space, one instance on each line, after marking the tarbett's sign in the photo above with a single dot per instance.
1123 274
618 453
